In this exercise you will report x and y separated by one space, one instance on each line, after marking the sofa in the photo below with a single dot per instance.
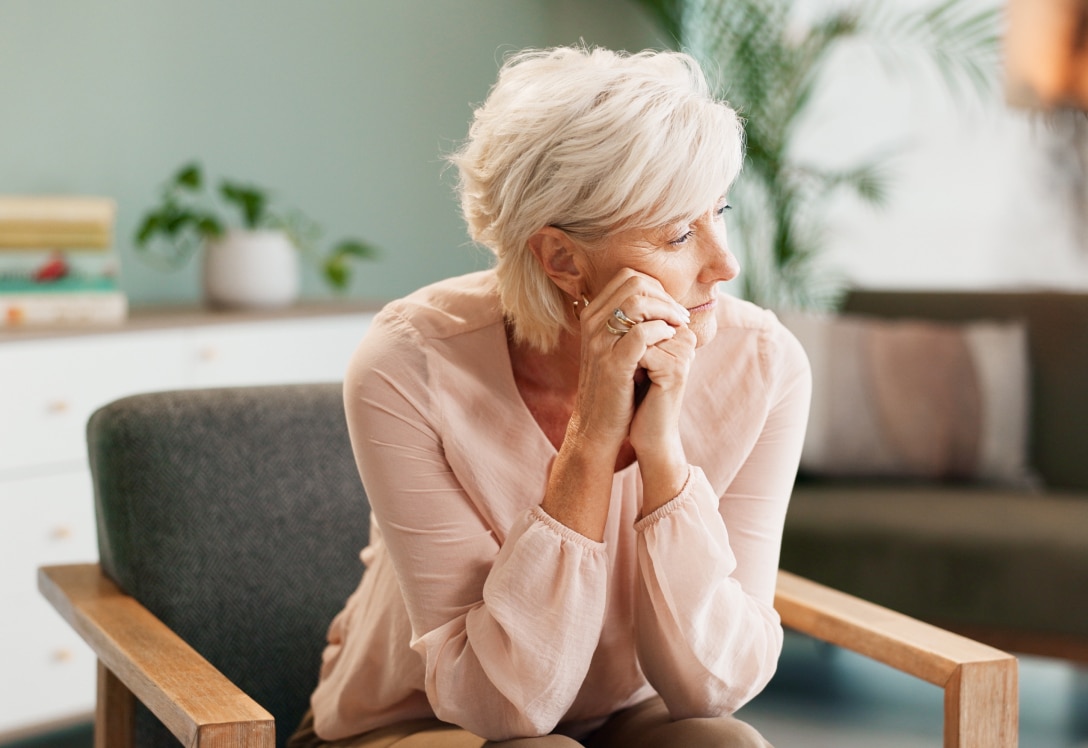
1000 557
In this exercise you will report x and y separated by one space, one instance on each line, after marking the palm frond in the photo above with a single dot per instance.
869 180
771 72
962 44
668 14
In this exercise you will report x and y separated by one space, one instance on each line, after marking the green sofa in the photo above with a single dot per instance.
1003 564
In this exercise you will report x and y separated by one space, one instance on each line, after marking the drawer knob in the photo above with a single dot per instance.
57 407
209 353
61 532
63 655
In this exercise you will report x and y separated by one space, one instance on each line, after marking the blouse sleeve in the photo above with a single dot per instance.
506 628
708 635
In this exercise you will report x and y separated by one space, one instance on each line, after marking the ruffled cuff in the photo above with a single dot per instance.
675 504
538 514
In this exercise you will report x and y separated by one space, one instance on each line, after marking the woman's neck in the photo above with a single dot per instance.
548 385
556 369
548 382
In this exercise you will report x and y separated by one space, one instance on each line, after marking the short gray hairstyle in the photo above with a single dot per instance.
589 141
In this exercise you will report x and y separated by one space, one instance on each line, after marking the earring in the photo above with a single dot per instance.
584 302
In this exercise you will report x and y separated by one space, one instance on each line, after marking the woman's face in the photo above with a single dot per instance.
687 258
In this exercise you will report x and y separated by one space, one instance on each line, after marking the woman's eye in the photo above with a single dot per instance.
681 239
721 210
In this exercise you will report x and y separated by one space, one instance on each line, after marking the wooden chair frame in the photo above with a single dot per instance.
140 658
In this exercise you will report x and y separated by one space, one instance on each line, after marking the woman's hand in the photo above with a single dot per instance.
655 428
631 386
652 357
611 363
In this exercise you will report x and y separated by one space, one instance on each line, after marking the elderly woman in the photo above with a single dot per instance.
579 461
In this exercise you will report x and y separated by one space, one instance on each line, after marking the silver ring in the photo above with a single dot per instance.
623 318
614 330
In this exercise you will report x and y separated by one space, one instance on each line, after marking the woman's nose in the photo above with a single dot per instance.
720 264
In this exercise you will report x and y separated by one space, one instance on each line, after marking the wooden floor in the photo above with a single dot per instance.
825 697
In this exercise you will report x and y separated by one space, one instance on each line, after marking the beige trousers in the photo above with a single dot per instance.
645 725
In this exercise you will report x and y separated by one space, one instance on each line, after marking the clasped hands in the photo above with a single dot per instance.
631 385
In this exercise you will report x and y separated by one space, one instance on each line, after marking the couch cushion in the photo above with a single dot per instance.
947 554
918 399
1058 348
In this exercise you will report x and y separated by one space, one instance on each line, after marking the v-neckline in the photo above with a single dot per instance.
514 394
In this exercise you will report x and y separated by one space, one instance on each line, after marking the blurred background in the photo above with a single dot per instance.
342 108
345 108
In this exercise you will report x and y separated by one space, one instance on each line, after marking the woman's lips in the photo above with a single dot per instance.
705 306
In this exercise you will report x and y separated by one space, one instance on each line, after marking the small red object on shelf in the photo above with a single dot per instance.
54 269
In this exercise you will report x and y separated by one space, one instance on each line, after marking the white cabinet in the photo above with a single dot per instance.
288 352
49 672
49 386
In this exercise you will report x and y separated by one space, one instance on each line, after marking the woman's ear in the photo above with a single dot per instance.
563 260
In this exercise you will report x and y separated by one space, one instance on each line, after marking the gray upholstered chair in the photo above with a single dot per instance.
230 523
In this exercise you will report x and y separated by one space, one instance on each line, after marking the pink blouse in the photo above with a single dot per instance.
477 607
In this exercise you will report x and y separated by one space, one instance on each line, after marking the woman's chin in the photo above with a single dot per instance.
705 327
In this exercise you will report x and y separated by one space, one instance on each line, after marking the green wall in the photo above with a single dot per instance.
341 107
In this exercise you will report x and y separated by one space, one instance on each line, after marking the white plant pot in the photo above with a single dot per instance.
251 269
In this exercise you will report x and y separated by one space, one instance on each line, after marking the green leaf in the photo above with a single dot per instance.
251 201
355 248
337 267
175 220
190 177
209 226
147 229
337 272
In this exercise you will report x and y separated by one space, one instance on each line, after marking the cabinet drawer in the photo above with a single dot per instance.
49 672
48 389
295 351
51 387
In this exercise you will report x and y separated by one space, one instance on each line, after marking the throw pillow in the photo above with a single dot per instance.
916 399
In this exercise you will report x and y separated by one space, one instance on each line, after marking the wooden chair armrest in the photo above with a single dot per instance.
196 702
981 702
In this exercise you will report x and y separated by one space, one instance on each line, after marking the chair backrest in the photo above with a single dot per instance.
236 516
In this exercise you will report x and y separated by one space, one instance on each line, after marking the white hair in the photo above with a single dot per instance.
592 142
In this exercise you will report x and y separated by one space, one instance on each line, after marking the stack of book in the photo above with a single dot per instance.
57 262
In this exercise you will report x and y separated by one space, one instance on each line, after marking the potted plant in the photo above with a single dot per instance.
771 65
253 263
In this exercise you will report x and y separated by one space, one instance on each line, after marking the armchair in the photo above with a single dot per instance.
229 525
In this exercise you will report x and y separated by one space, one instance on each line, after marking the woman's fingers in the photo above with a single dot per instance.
667 363
655 425
644 336
641 307
615 348
641 297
